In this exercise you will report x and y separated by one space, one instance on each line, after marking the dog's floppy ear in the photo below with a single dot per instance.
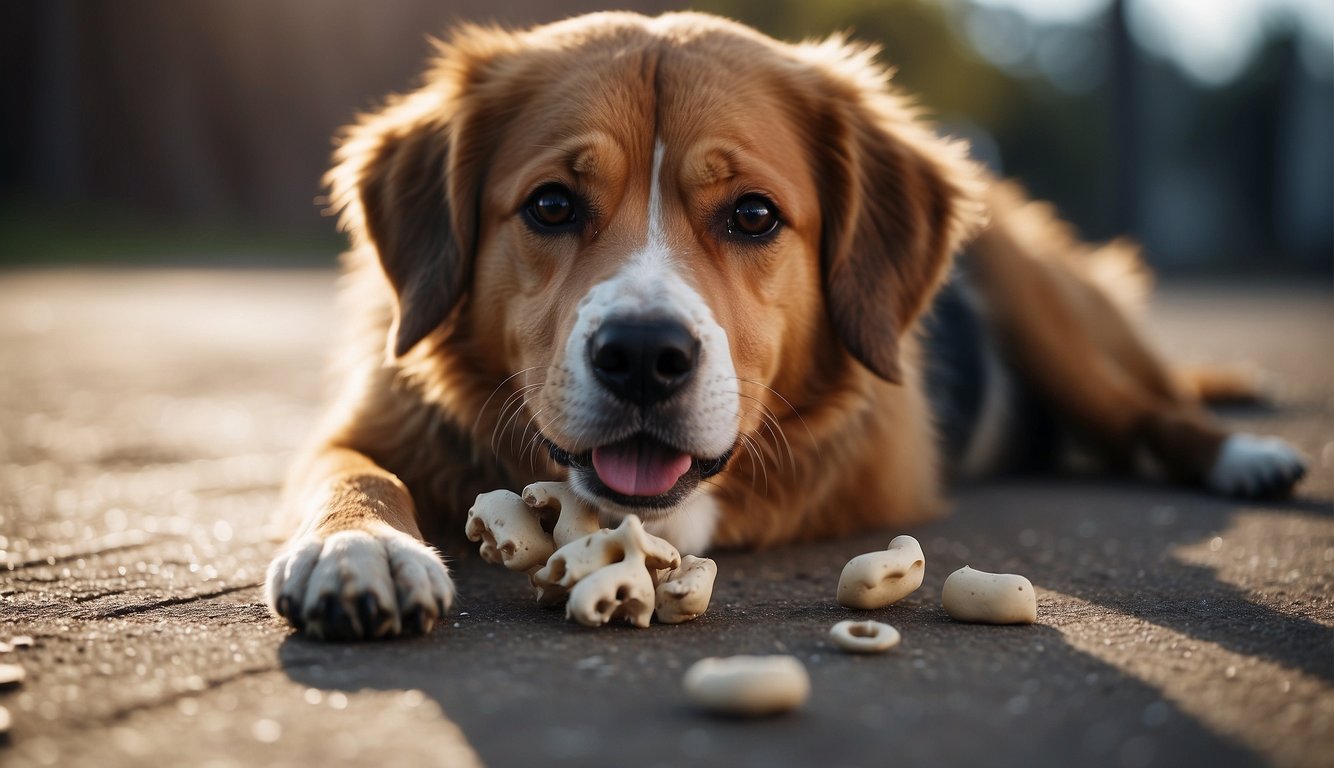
406 179
896 202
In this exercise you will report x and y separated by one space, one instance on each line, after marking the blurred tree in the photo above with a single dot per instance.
1055 141
190 111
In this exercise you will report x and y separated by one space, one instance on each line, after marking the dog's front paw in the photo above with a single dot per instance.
355 585
1252 467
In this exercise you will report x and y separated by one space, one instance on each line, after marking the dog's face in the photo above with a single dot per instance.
654 236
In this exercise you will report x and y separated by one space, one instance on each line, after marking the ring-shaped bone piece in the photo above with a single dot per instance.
570 517
747 686
509 531
989 598
864 636
877 579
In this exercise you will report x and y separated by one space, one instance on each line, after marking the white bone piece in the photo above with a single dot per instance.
684 593
621 590
576 560
748 686
548 594
864 636
570 518
509 530
877 579
11 674
989 598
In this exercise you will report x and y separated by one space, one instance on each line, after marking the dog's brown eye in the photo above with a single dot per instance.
551 206
754 216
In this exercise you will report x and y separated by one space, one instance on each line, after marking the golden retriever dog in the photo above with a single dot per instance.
709 278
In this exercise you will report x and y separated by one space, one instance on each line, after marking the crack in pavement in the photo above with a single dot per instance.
127 610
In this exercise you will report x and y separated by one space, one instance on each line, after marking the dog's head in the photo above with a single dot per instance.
653 235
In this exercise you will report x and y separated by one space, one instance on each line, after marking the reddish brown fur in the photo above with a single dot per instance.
475 309
1067 335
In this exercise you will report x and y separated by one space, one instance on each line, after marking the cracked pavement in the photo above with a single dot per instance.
146 421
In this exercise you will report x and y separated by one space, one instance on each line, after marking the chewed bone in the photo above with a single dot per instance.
608 574
568 517
684 592
509 530
628 541
877 579
621 590
602 574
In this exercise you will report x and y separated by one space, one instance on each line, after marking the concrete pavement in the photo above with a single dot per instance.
146 420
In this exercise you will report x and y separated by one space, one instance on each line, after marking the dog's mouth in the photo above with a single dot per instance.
639 471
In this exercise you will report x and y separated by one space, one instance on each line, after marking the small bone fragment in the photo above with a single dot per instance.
579 558
877 579
748 686
11 674
684 593
621 590
989 598
629 540
509 531
548 594
4 724
864 636
20 641
573 519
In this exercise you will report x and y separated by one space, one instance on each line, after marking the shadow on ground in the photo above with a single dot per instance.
524 685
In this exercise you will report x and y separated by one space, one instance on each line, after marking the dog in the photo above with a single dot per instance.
685 266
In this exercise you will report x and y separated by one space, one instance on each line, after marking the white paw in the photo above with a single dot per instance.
1252 466
355 585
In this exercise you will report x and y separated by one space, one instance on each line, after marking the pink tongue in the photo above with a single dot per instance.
639 468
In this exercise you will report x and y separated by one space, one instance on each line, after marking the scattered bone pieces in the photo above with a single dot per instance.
684 592
877 579
609 574
574 519
748 686
864 636
509 531
576 560
601 574
621 590
989 598
11 674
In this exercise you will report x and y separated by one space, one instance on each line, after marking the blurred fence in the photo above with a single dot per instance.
197 109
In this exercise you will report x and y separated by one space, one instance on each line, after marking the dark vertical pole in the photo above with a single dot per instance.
1126 124
56 170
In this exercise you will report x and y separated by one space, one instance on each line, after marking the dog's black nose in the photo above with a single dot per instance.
643 362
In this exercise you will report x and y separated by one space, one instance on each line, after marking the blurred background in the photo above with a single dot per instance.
185 131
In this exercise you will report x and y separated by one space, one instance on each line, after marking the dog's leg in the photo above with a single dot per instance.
357 568
1078 348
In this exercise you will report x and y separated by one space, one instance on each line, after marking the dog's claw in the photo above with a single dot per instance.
287 611
338 624
412 621
369 615
418 621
